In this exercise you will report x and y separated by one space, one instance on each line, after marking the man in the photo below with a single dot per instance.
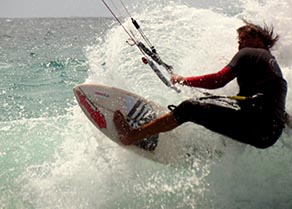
261 117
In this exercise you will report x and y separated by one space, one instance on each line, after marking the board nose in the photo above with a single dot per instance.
76 88
76 91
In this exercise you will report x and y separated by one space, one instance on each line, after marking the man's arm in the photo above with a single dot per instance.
208 81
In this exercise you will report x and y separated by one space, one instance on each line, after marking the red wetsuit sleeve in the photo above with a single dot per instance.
211 81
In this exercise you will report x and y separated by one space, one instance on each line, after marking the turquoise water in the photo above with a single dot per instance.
40 62
52 157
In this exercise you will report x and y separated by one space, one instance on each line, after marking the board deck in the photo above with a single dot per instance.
99 103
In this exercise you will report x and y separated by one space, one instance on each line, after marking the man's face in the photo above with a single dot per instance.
245 40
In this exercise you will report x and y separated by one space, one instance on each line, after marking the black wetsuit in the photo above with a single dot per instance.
259 121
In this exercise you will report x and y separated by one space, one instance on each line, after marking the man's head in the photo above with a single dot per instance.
251 35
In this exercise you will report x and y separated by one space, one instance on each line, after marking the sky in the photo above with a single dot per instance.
62 8
52 8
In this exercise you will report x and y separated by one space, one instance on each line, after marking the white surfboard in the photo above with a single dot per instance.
99 103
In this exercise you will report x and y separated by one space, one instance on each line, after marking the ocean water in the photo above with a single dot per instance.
51 156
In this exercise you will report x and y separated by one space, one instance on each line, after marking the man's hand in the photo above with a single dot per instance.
177 79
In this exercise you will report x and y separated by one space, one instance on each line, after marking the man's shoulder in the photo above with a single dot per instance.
254 51
249 56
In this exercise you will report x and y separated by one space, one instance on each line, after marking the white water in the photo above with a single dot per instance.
89 171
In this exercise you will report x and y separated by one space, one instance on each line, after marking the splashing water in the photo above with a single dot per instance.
88 171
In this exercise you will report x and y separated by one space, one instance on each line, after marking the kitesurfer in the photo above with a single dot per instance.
261 116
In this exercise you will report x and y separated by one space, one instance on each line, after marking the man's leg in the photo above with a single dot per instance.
288 120
129 135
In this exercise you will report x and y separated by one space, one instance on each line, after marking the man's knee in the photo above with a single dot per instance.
187 110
